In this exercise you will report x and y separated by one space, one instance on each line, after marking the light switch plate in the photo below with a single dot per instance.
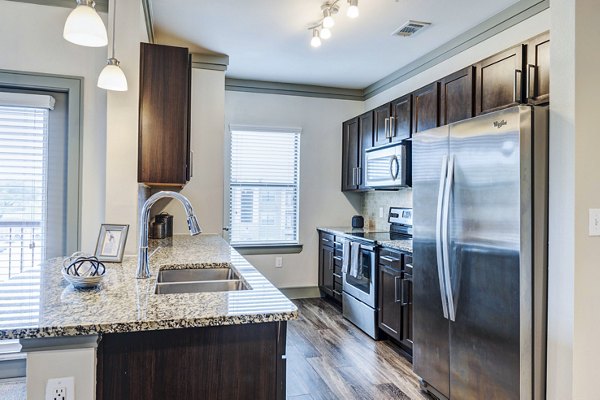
594 221
278 262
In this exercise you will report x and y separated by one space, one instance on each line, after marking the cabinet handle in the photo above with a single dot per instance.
336 292
405 300
392 127
531 78
397 299
517 94
388 259
386 122
337 258
358 176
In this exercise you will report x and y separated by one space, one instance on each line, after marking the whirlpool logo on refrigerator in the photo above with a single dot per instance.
500 124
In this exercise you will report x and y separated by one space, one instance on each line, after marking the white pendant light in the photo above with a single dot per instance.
316 40
112 76
325 33
84 26
353 9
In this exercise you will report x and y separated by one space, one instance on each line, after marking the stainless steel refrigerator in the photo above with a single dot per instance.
480 256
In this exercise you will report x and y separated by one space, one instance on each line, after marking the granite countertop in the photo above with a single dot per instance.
402 244
123 303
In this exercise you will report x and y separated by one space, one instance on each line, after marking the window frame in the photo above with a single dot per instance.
266 247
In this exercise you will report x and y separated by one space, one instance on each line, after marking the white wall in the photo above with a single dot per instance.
510 37
574 323
31 40
321 201
205 189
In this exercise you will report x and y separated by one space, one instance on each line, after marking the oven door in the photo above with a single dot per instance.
386 167
363 286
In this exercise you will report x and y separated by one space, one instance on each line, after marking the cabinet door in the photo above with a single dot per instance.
538 70
500 81
326 262
457 96
365 129
425 108
350 155
163 130
406 336
381 121
401 118
390 309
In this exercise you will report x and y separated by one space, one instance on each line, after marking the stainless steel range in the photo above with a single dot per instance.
359 270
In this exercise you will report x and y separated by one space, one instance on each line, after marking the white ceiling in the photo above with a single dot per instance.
268 39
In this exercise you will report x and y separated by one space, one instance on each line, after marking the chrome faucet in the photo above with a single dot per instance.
143 268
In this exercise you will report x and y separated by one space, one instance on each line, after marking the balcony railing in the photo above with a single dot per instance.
21 247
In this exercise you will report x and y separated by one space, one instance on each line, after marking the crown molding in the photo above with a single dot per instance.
292 89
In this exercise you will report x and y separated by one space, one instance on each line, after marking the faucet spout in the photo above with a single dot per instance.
143 267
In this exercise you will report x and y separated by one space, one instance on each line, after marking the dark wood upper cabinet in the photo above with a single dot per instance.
350 155
401 118
381 121
538 70
425 109
500 80
164 115
365 129
457 92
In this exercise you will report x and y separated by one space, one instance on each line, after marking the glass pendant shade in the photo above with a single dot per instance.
112 77
85 27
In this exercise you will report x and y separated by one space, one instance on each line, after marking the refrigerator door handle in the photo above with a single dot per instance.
438 235
445 239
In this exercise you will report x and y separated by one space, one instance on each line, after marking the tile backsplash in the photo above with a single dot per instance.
375 200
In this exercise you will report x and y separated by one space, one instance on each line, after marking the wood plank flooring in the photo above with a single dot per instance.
329 358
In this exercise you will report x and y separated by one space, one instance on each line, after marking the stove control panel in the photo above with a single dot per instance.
400 215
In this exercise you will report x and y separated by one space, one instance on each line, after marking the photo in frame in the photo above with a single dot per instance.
111 242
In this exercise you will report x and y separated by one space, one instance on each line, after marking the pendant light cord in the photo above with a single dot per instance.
114 27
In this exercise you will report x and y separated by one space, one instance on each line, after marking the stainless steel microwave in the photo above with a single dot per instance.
386 167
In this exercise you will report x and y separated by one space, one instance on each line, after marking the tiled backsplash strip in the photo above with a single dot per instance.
381 199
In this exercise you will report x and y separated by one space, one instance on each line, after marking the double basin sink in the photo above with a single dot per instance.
198 281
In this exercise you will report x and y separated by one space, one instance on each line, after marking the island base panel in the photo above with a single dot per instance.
224 362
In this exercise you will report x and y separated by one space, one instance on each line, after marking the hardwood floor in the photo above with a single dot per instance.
329 358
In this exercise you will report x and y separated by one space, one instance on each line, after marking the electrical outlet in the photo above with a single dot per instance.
380 212
594 221
278 262
60 389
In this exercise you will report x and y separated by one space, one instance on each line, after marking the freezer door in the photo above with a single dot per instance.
490 264
430 323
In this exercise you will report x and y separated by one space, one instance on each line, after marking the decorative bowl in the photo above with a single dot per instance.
83 271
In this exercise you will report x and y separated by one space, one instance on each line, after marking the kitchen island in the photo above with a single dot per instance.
227 344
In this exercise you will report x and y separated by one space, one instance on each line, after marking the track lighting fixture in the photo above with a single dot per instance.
322 28
353 9
316 40
328 21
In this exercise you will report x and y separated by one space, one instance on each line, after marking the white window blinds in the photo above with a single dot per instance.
264 186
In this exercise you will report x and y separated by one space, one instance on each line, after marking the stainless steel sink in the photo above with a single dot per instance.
200 287
195 275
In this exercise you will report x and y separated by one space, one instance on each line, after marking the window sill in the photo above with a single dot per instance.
258 249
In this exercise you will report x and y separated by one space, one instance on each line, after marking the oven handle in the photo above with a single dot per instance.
438 234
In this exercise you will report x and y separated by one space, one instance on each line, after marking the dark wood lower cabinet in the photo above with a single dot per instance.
395 297
224 362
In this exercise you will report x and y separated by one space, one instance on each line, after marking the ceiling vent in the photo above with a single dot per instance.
410 28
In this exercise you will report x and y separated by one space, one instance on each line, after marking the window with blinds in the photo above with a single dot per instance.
264 186
23 179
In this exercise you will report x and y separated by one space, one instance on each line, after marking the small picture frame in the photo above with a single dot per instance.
111 242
